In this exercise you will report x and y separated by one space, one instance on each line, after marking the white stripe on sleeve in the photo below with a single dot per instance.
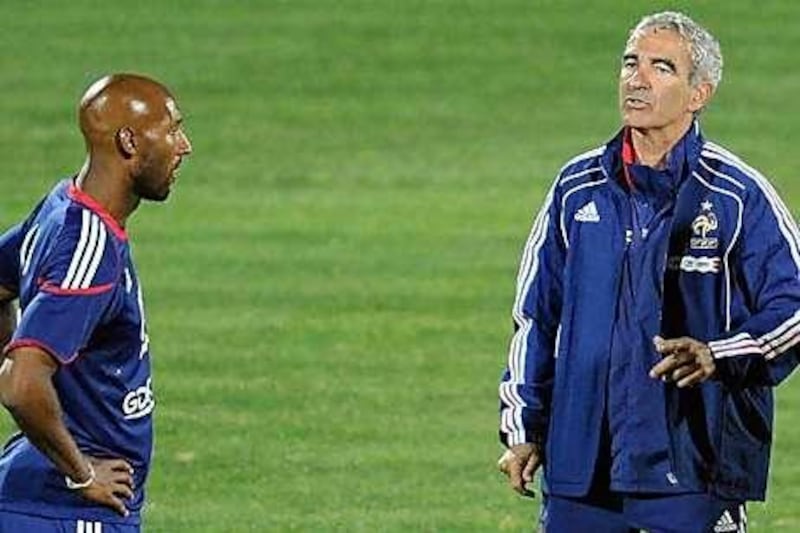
96 257
27 248
88 254
76 257
512 416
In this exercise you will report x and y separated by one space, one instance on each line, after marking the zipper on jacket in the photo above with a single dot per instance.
662 271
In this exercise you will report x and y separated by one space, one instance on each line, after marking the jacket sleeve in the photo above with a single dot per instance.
763 350
527 383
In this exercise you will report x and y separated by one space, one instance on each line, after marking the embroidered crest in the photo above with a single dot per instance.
704 227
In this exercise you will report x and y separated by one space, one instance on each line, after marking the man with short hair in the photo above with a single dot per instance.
76 373
658 302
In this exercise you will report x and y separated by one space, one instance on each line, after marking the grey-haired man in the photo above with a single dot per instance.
658 303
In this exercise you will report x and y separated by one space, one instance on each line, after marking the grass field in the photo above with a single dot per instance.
329 287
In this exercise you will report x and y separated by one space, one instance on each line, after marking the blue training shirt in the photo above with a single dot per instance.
81 302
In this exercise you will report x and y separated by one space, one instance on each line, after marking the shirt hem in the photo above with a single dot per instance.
41 510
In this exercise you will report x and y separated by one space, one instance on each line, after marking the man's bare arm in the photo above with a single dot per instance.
8 315
26 390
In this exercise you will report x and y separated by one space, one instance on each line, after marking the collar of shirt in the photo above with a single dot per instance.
647 180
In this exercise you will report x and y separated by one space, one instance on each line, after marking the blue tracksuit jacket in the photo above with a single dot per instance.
715 255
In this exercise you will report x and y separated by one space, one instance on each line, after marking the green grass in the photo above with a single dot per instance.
328 289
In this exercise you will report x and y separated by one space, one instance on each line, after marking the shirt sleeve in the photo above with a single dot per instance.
16 247
763 349
10 244
75 282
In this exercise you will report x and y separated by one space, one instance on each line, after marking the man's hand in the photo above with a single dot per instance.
686 361
519 463
113 482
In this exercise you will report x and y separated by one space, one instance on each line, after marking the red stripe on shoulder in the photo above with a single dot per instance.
84 199
52 288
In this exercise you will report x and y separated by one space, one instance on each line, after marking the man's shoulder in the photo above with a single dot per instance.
78 250
582 167
57 222
69 223
730 171
55 211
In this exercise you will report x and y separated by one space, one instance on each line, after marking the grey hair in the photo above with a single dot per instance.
704 47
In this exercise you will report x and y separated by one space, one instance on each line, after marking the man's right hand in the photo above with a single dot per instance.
519 463
113 482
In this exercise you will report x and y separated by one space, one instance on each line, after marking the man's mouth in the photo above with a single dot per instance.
175 168
635 102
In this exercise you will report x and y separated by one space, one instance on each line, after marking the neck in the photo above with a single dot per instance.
653 145
105 182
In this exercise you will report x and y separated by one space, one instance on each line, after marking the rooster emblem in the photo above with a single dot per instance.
704 224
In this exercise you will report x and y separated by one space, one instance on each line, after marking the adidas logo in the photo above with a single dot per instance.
588 213
726 523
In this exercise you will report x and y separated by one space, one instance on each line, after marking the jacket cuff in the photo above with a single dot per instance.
537 438
740 344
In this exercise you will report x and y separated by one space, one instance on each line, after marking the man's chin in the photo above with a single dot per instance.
637 122
156 196
163 197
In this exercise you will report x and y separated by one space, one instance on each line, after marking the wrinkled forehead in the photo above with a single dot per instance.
667 34
661 43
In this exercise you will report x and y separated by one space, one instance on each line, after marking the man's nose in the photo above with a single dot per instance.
186 145
638 79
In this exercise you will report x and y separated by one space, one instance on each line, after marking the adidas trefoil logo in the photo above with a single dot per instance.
725 523
588 213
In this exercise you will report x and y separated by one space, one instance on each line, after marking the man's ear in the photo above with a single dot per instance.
701 95
126 142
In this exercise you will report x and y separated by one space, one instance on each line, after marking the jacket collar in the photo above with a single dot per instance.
681 161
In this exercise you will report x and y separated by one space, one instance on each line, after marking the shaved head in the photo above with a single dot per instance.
119 101
133 129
